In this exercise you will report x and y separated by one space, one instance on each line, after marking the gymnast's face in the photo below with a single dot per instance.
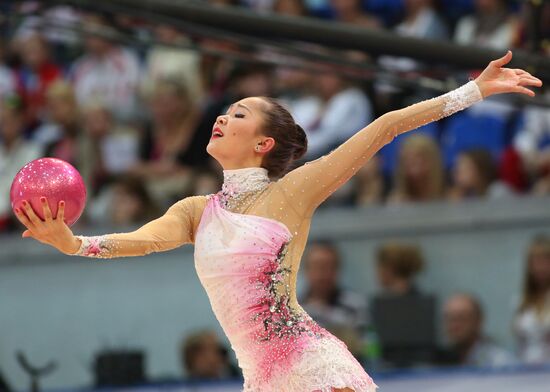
237 140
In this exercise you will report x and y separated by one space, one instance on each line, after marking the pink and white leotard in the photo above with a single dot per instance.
249 239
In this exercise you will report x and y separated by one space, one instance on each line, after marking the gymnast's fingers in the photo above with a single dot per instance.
61 211
46 209
530 81
503 60
30 213
23 218
523 90
525 74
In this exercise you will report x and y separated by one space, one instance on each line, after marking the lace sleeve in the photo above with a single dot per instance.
175 228
310 184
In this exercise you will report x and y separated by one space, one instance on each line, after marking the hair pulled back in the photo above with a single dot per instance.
290 138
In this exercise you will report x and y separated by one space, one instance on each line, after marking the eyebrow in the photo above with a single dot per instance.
241 105
244 106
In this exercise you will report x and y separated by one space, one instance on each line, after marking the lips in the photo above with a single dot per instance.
216 133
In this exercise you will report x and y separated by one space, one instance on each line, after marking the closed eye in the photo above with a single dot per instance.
239 115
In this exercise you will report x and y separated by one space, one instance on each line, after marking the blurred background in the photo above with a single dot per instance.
432 263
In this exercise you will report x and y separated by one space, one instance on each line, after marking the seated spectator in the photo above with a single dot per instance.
475 175
344 109
290 7
419 176
491 26
403 316
62 136
397 265
106 72
532 320
167 61
351 11
173 145
420 21
534 27
15 152
110 148
8 81
533 144
36 74
204 358
341 311
469 346
369 183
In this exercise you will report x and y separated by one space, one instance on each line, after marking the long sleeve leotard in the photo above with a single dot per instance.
249 239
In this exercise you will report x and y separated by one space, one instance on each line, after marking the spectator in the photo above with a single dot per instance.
15 152
397 265
534 27
290 7
491 26
36 74
167 61
173 145
420 21
62 135
369 184
341 311
463 324
8 81
204 358
106 72
343 110
475 175
400 304
110 149
351 11
533 144
419 176
532 320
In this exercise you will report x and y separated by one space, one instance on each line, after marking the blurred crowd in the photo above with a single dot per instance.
135 119
379 330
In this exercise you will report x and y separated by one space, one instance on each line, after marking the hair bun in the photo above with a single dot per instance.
301 145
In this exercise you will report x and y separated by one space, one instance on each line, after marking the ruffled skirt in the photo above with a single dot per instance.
322 366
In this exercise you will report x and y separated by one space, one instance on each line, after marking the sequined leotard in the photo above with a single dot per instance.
249 238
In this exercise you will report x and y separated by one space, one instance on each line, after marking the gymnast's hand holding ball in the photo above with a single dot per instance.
47 196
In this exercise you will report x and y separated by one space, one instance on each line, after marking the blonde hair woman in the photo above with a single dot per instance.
419 175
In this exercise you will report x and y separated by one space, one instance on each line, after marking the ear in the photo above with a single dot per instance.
265 145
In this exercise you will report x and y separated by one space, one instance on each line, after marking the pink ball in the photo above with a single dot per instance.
56 180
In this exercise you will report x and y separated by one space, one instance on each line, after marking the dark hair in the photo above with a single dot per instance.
405 260
290 138
485 165
193 344
325 244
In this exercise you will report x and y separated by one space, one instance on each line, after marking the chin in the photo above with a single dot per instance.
215 150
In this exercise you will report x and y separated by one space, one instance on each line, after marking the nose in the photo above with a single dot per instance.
221 120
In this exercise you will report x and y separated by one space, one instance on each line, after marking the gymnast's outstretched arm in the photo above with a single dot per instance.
176 227
314 181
